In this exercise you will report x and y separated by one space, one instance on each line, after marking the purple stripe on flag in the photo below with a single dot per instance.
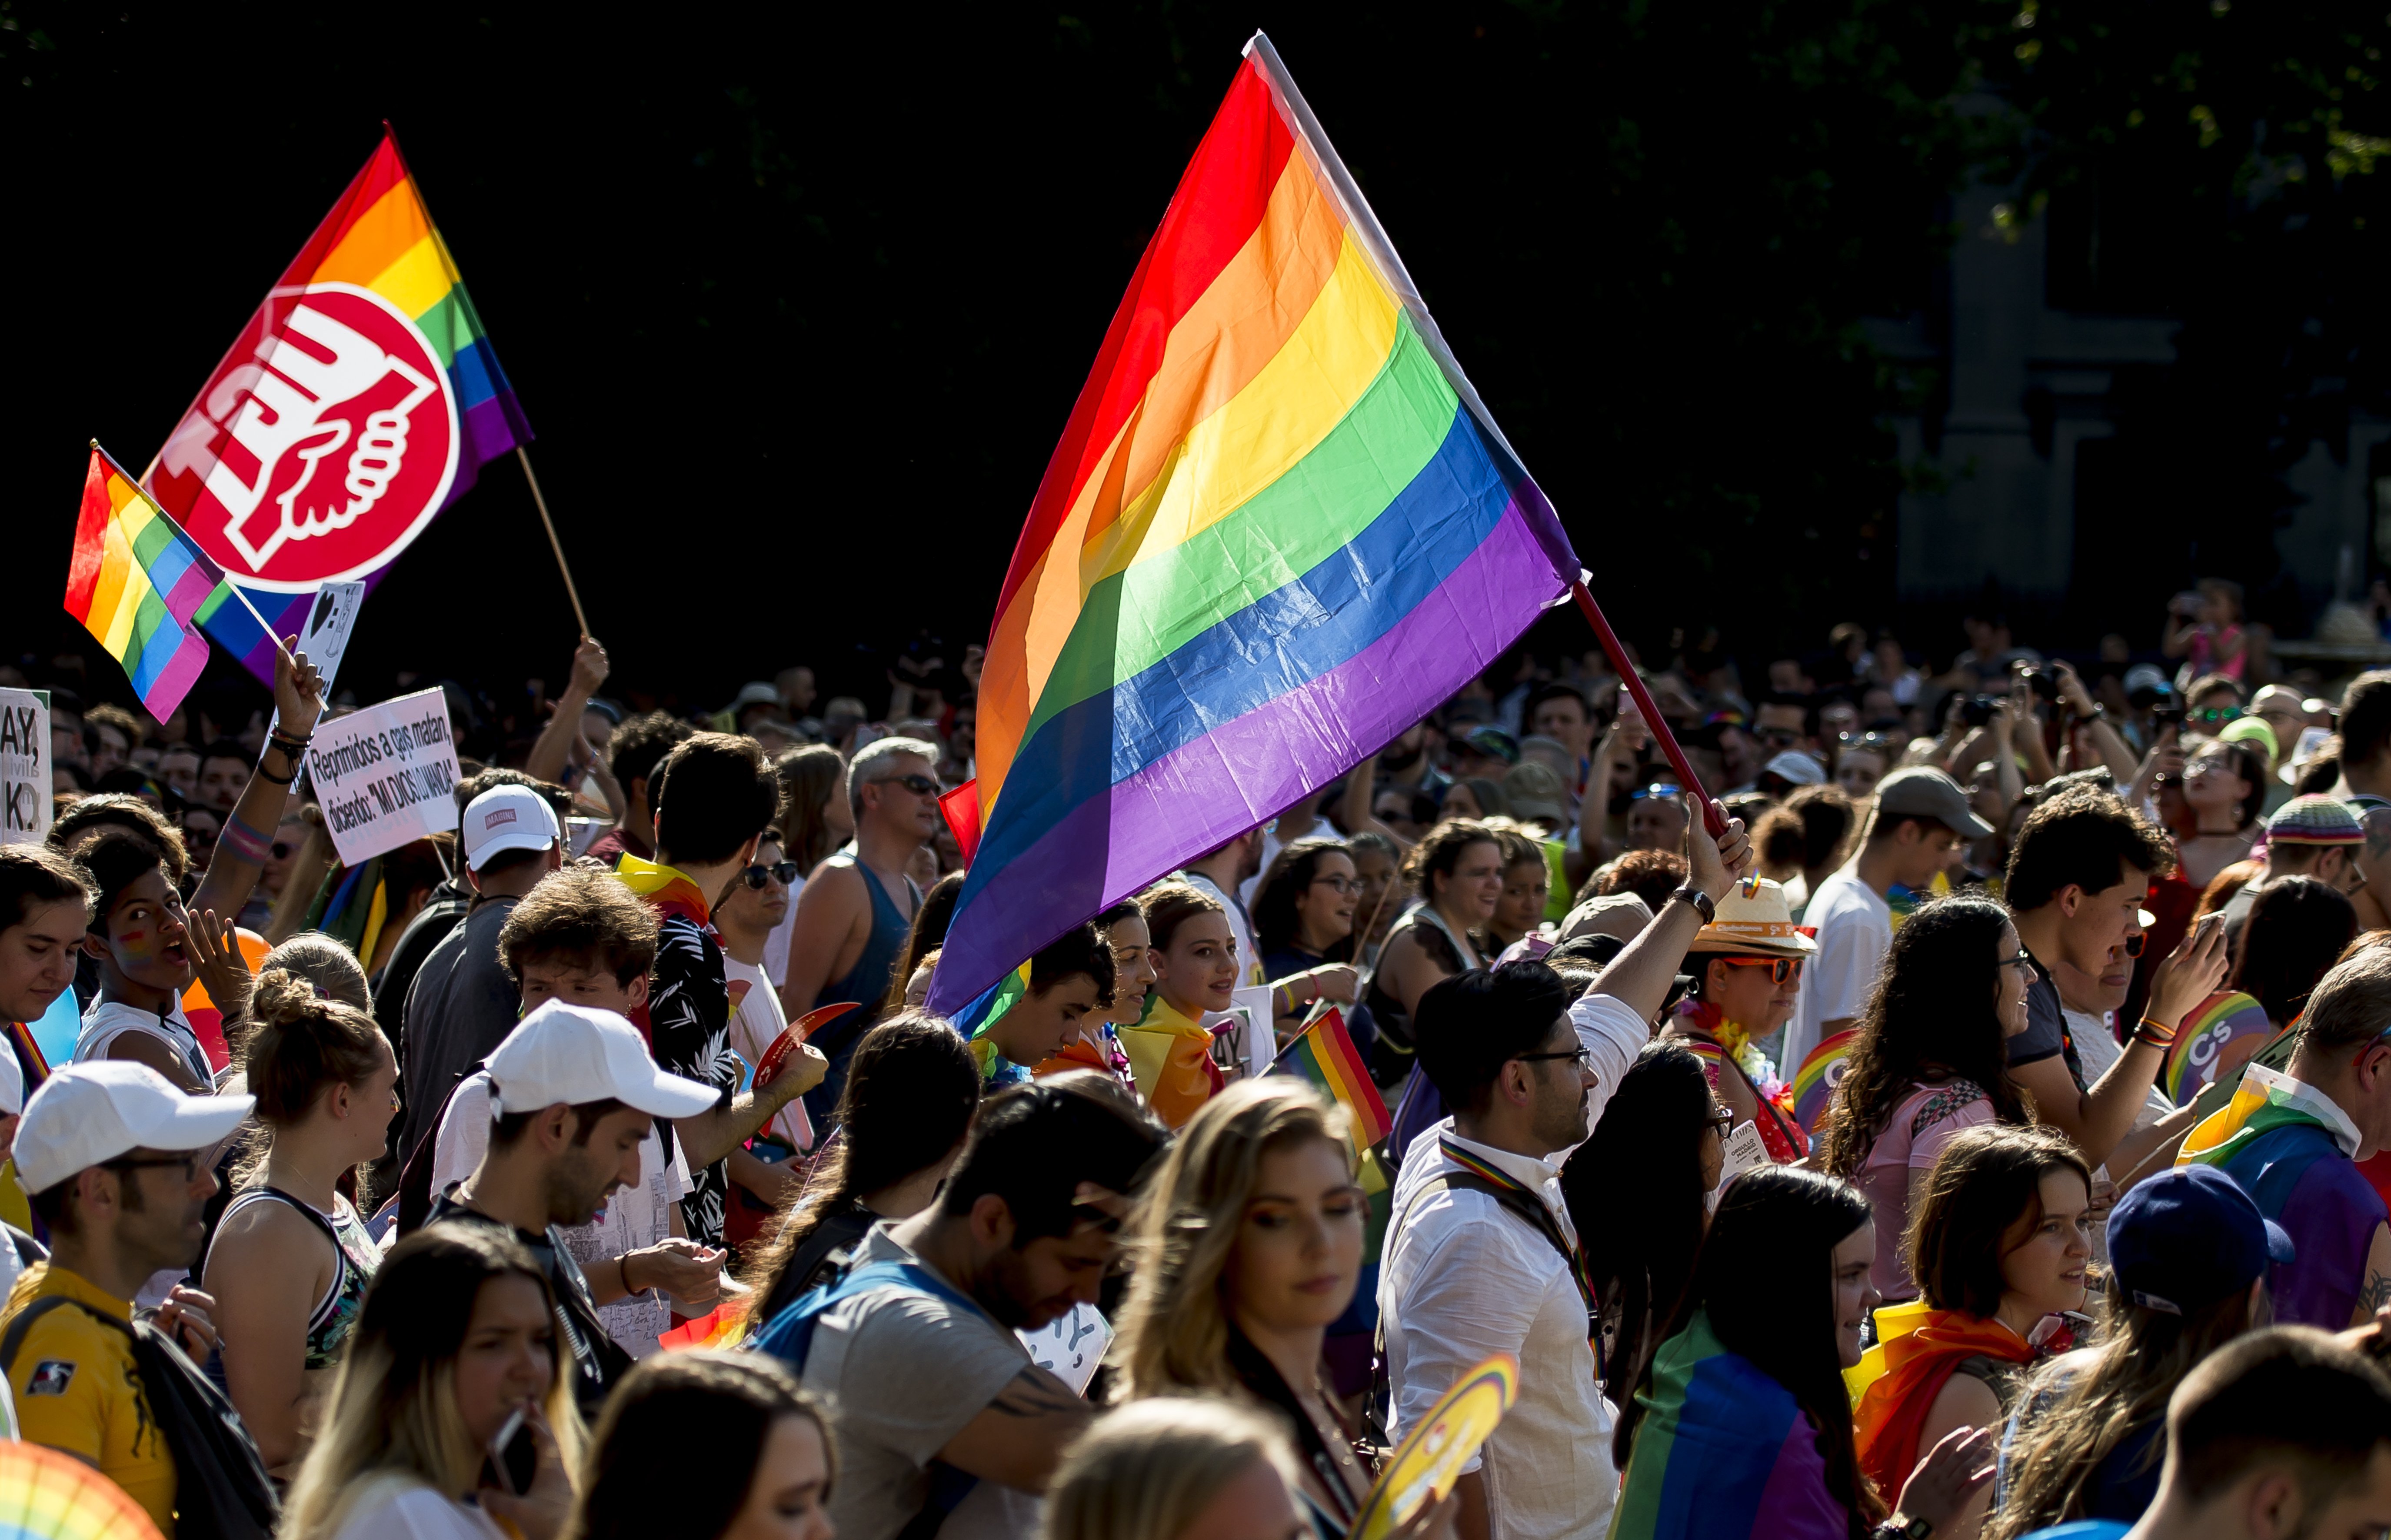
174 681
1199 794
190 591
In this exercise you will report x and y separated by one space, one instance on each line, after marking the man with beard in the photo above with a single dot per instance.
574 1093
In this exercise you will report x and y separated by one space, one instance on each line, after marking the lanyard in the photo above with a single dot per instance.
1533 1205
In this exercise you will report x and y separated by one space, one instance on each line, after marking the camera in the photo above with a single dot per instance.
2044 684
1977 710
2168 715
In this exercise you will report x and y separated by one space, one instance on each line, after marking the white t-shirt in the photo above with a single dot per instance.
2098 1049
632 1219
1853 927
755 1020
398 1508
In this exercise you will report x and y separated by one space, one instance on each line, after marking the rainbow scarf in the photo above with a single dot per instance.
1911 1370
1172 1056
379 240
1279 528
1724 1452
138 584
2266 1100
667 888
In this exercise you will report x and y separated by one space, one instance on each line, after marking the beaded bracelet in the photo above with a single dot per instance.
2157 1034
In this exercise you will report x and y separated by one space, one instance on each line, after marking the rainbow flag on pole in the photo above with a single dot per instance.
137 582
1279 528
1324 1054
377 268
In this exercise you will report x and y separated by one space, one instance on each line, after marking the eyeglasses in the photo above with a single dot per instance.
1658 788
1342 884
1865 740
920 785
1780 969
2215 716
1585 1060
2022 960
1721 1121
2136 942
189 1160
785 870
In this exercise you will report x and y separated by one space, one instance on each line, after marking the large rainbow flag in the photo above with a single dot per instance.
137 583
380 238
1279 528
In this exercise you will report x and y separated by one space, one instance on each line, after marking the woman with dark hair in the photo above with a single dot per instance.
1303 924
1639 1237
1740 1424
2298 928
1520 908
1929 1061
1455 873
140 932
457 1334
910 1095
814 811
769 1458
2001 1245
2224 787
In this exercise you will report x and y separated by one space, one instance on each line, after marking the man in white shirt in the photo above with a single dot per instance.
1920 815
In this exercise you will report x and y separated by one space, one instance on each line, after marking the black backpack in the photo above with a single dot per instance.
221 1488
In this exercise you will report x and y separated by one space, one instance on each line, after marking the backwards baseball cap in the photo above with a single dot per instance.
89 1113
2189 1236
2314 820
507 818
1921 791
576 1055
1797 768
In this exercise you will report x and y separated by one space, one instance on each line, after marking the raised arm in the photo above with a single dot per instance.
248 835
564 730
1640 976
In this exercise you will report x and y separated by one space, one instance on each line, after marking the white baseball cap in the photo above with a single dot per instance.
12 1083
89 1113
507 818
576 1054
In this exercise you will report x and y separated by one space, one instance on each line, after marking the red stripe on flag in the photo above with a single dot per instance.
1217 206
962 809
90 541
382 172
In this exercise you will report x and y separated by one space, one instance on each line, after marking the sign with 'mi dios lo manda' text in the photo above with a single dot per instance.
385 776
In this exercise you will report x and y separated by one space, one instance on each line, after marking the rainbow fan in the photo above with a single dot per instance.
2217 1039
46 1495
1815 1083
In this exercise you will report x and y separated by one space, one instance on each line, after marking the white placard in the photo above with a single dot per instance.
330 621
385 776
24 766
1071 1347
1745 1151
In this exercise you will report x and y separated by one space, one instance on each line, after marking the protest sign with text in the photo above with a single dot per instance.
386 775
24 766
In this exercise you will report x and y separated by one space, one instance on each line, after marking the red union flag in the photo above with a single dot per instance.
360 400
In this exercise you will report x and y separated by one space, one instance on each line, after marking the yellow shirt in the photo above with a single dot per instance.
77 1390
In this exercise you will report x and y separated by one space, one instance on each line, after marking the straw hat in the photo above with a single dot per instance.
1754 919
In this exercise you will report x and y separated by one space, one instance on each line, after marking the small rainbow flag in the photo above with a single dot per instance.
1280 526
137 582
1324 1054
1815 1083
2226 1028
724 1327
379 240
993 1002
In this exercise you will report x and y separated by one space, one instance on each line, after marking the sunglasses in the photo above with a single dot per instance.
2215 716
282 849
2136 942
1865 740
1779 737
785 870
189 1160
1658 788
1780 969
920 785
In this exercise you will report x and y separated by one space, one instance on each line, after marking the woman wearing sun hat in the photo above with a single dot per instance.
1747 970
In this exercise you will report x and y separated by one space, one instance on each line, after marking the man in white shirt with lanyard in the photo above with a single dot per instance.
1482 1258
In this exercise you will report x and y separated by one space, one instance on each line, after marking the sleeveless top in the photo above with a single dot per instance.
354 1254
867 982
1390 1056
108 1020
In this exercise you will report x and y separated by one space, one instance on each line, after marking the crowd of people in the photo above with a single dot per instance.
1971 1123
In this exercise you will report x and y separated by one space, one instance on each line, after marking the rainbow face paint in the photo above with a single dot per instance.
148 941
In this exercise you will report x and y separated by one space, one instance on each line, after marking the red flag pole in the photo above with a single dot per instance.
1713 819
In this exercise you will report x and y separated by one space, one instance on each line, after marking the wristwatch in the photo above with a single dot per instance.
1700 899
1894 1529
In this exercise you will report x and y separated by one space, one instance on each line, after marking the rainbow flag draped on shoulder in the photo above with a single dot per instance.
1280 526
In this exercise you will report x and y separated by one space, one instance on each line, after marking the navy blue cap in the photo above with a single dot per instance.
2189 1236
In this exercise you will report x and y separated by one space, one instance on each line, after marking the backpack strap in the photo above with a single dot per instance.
12 1342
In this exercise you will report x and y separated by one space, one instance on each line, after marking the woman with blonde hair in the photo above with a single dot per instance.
1176 1469
1249 1246
457 1334
291 1256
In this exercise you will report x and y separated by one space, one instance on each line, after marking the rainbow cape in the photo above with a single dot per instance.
1324 1054
378 237
1279 528
2228 1024
1724 1452
2265 1101
1815 1083
138 583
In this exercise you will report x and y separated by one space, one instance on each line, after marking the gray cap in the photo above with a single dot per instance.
1921 791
